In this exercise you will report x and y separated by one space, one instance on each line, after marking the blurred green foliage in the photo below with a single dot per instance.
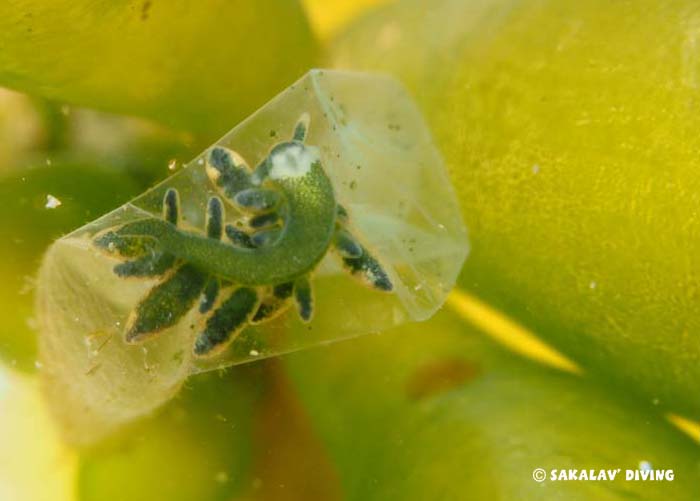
197 447
571 132
199 66
27 227
434 411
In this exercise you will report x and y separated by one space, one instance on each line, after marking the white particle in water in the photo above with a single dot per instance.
52 202
593 285
254 353
645 465
172 164
536 169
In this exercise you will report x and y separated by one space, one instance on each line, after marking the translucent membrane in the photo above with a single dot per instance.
386 173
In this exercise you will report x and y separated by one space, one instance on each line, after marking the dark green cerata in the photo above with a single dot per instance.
248 272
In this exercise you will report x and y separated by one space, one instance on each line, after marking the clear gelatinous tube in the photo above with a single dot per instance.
327 214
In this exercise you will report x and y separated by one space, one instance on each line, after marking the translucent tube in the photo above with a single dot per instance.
386 175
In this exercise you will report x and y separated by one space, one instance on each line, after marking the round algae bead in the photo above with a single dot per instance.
571 133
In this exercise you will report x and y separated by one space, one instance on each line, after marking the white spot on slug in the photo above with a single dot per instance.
294 161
